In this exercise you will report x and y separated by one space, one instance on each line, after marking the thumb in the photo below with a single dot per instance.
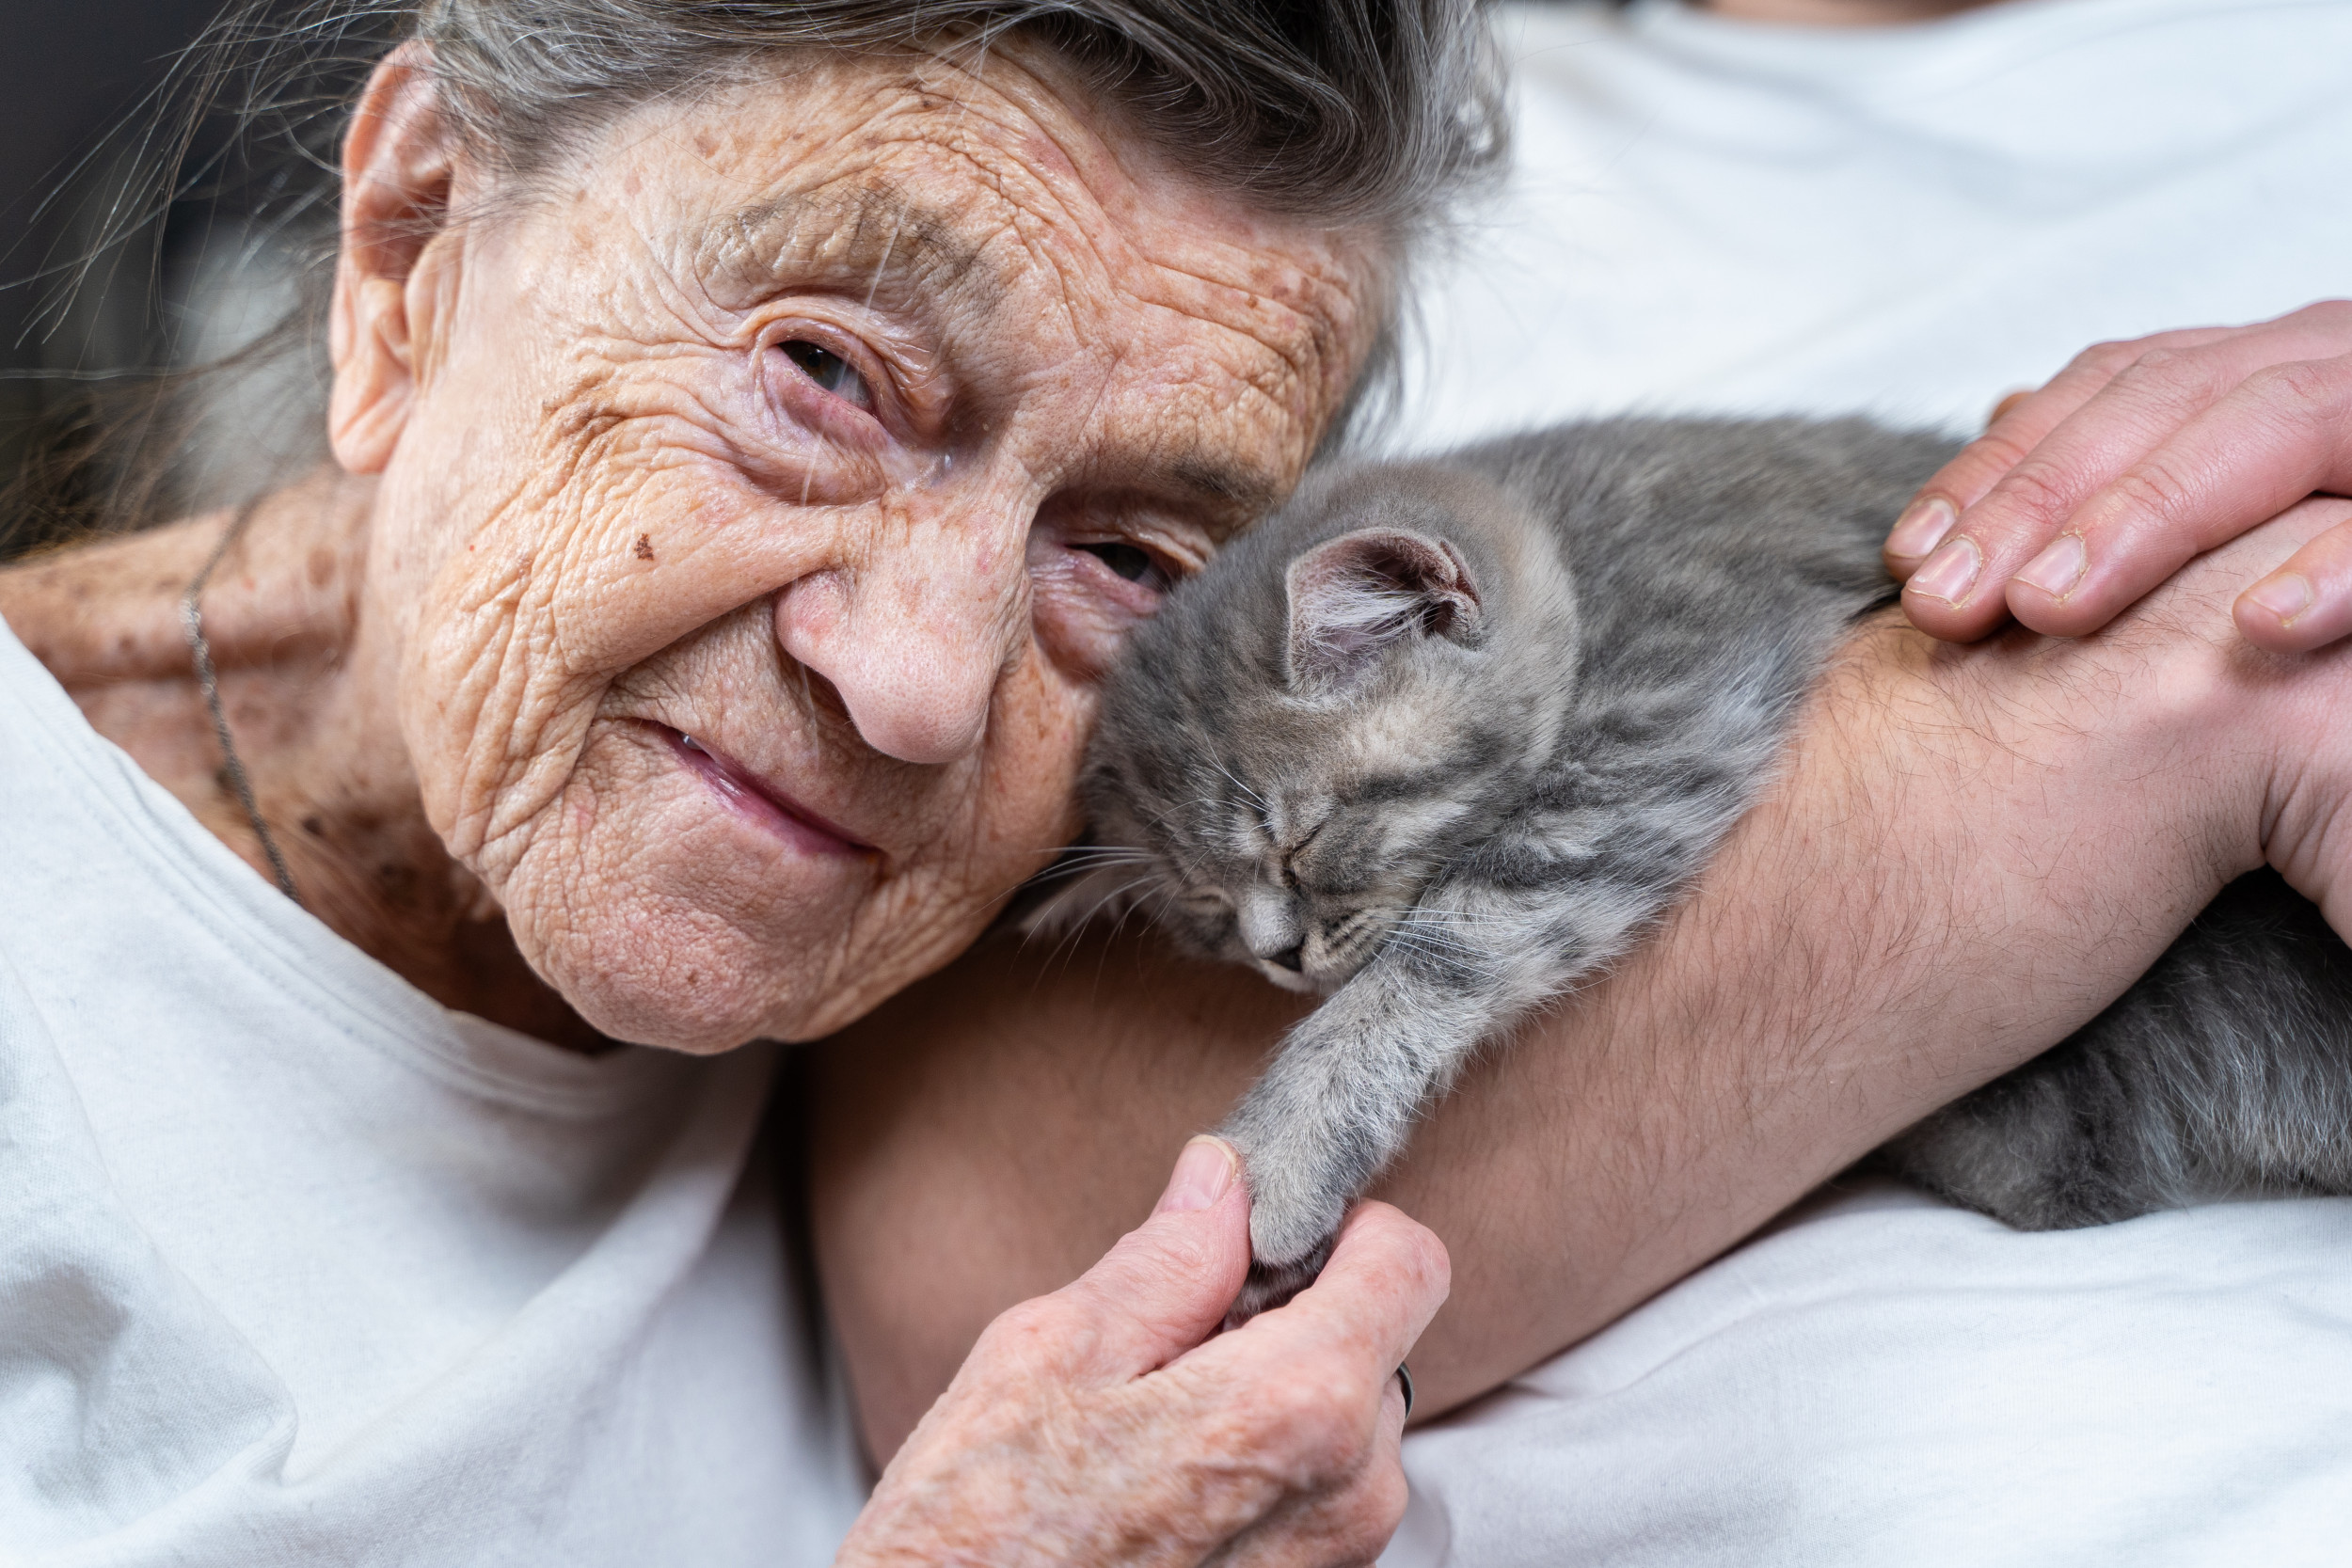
1166 1284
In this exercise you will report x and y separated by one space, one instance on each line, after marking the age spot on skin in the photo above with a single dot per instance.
643 549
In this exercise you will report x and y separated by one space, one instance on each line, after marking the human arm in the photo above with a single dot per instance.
1971 850
2084 494
1094 1425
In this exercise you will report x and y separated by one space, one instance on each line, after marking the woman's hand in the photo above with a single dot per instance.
1094 1426
2135 458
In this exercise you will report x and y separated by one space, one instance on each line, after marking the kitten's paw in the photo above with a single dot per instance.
1270 1285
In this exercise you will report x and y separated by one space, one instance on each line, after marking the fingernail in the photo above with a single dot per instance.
1204 1173
2057 568
2286 596
1922 529
1949 573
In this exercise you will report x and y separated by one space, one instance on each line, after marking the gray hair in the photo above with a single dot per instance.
1351 114
1381 113
1339 111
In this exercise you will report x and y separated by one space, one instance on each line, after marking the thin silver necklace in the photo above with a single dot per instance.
192 622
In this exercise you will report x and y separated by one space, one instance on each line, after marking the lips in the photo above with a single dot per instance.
748 795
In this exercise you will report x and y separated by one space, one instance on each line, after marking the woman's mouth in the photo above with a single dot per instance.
746 793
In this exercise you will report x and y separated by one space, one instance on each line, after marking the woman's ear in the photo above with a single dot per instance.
399 162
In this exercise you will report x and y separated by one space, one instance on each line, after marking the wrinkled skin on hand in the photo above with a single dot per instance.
1275 1444
2084 496
841 420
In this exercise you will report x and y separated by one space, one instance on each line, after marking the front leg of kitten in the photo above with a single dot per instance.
1331 1113
1340 1096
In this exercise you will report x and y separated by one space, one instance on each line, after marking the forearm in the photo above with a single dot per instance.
1970 851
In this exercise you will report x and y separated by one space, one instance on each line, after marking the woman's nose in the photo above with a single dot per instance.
915 637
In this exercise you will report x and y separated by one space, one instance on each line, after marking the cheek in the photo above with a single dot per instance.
1038 728
629 548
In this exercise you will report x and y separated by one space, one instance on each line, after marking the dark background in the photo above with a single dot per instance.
185 283
69 69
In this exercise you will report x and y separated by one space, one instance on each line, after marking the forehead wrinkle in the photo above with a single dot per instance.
871 229
1304 344
1125 225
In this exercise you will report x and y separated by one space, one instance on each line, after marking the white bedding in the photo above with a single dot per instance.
1720 216
1889 1381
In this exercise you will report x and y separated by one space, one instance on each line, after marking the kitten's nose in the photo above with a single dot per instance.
1270 927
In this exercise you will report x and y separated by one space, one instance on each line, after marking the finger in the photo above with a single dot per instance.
2283 433
2305 604
2019 424
1168 1282
1387 1278
1960 591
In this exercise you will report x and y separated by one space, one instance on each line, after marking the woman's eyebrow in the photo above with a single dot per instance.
872 232
1245 493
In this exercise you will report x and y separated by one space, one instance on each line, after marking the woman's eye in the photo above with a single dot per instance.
830 372
1134 564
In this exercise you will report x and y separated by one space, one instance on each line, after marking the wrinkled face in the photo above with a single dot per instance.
779 478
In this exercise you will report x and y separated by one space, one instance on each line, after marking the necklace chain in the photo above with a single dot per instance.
192 622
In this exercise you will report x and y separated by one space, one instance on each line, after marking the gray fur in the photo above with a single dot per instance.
1443 739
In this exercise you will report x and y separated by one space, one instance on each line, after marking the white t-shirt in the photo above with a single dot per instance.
1717 216
298 1267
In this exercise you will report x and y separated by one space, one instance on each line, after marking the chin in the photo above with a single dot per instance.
666 919
1289 979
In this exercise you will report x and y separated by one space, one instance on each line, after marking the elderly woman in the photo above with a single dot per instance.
754 427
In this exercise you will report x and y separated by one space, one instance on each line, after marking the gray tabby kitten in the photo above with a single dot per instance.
1443 739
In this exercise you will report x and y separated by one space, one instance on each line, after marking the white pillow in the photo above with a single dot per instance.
1891 1382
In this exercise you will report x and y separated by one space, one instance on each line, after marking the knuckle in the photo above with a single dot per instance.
2167 378
1432 1263
1995 451
2331 314
1415 1258
2106 359
2163 369
2155 361
2151 489
2032 493
2304 387
1181 1255
1033 1333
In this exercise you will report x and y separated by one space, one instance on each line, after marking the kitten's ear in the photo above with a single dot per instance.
1353 599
